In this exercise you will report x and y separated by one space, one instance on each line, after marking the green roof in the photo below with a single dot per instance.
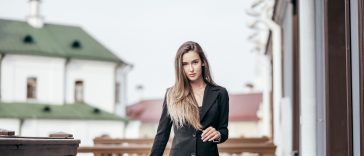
18 37
44 111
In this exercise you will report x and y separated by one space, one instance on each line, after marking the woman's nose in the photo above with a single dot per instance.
191 68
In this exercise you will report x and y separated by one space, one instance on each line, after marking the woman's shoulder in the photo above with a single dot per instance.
219 88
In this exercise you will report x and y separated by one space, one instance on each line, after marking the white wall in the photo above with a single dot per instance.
120 107
10 124
85 130
148 130
239 129
98 79
132 130
48 71
121 77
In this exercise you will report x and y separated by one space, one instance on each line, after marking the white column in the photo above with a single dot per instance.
277 79
355 71
307 78
277 84
266 114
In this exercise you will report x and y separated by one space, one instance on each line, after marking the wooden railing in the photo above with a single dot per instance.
108 140
55 145
141 147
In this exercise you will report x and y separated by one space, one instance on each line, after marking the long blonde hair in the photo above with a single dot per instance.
181 103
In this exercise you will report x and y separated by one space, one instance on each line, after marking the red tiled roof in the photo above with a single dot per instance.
243 107
146 110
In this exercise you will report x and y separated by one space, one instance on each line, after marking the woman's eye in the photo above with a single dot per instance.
195 62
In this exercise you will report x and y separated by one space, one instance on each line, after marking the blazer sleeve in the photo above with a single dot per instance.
223 116
163 132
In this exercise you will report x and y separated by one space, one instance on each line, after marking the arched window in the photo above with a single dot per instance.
79 91
31 88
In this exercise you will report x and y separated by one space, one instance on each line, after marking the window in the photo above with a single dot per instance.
117 92
79 91
31 88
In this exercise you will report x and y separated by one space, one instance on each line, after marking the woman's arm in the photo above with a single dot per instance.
163 131
223 117
221 133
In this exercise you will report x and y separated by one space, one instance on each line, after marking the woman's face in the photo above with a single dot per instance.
192 65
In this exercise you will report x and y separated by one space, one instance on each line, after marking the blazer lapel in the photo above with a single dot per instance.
209 97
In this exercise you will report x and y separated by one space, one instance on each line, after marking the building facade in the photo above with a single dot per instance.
319 77
59 78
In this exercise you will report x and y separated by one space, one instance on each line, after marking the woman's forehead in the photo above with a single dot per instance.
190 56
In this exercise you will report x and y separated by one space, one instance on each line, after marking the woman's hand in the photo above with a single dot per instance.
210 134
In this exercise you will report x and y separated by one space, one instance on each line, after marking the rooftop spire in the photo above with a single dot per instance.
34 18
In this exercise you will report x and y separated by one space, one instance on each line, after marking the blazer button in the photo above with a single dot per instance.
193 154
193 135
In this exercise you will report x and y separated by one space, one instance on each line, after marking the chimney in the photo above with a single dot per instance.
34 19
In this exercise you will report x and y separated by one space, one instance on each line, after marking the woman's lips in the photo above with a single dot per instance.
191 75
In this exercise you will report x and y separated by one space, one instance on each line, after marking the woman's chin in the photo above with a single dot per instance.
193 79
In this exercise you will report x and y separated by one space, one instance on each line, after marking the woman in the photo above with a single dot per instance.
197 108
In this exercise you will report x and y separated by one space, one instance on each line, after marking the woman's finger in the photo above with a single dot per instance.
216 136
206 131
209 136
211 131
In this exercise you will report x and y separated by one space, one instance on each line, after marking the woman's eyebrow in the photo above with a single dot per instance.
192 60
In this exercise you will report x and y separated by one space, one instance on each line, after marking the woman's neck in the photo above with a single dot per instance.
197 85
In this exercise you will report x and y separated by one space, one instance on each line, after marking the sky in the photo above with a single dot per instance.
147 34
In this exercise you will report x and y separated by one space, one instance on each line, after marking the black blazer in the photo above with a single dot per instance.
187 141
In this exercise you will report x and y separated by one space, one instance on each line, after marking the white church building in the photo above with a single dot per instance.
59 78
